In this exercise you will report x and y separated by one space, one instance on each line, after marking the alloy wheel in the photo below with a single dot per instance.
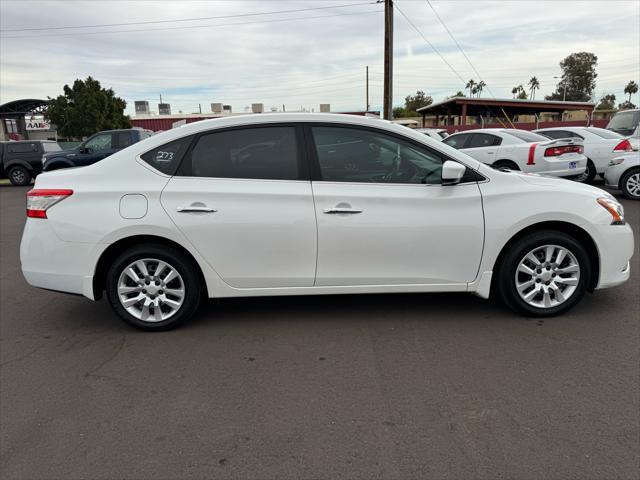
547 276
633 184
151 290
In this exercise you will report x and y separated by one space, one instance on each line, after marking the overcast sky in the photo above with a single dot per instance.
305 58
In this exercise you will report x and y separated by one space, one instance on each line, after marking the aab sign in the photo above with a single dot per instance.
37 123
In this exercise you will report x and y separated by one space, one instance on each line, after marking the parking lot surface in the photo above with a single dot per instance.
443 386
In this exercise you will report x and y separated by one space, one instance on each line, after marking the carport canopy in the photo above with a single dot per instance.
498 107
18 108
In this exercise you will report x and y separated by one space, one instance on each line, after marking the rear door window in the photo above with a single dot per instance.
457 141
483 140
123 139
268 153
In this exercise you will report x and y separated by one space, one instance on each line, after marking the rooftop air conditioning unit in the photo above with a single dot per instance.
257 107
216 107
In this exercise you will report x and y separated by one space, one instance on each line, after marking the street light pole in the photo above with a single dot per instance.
388 60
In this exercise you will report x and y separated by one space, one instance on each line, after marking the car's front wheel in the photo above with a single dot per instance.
544 274
19 176
630 184
153 287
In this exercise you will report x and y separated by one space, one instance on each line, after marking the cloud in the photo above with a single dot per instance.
305 62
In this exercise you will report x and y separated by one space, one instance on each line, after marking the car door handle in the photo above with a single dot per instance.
196 208
341 210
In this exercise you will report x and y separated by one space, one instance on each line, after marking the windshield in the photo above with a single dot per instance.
51 147
601 132
624 122
526 136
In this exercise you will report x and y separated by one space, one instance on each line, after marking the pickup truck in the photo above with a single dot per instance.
21 161
98 146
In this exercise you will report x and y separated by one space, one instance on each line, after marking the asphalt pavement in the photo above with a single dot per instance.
429 386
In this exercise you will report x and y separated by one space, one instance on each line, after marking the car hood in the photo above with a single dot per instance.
559 183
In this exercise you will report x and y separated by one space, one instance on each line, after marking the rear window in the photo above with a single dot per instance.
526 136
625 122
22 148
51 147
601 132
167 157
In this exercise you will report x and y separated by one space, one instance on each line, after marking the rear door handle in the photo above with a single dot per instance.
341 210
196 208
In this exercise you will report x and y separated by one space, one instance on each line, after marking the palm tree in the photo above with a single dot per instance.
470 85
480 87
514 91
631 88
535 85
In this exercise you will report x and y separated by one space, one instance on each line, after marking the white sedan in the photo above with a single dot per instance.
623 173
522 150
297 204
600 146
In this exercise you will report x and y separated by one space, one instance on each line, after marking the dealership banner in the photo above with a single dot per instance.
36 123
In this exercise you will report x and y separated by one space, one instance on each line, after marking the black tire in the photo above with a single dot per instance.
506 272
506 164
624 187
182 263
19 176
589 174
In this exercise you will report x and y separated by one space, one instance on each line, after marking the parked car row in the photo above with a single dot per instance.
577 153
21 161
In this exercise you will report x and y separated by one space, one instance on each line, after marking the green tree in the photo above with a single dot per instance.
519 92
534 85
413 102
471 85
608 102
480 87
579 77
86 108
626 105
631 88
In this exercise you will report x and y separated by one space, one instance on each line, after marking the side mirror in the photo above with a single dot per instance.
452 172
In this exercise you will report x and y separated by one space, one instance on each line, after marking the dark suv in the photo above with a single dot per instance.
21 161
98 146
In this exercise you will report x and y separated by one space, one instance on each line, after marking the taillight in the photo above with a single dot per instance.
39 200
557 151
623 146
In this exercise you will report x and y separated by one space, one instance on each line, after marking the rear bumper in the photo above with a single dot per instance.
51 263
560 168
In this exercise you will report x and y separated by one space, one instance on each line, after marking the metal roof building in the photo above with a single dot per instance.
501 109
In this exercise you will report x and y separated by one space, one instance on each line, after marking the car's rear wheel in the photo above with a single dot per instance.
19 176
544 274
508 164
589 174
153 287
630 184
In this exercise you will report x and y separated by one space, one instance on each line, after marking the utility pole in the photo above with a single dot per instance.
367 104
388 60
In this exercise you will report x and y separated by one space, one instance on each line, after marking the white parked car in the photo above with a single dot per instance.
600 146
435 133
623 173
297 204
522 150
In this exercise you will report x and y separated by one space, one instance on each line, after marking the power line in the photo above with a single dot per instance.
190 26
429 43
150 22
459 46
